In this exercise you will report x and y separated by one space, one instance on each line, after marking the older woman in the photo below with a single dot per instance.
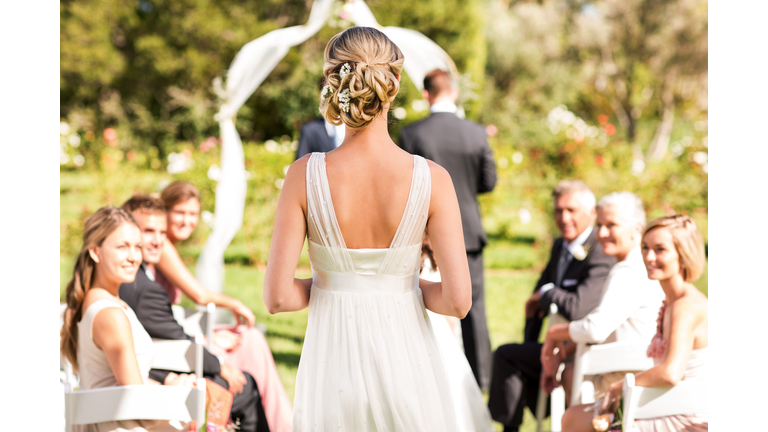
628 309
673 252
244 347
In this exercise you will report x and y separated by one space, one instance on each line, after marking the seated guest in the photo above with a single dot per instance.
153 310
630 302
573 280
101 336
673 251
244 347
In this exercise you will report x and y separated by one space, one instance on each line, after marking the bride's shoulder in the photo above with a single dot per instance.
441 180
296 175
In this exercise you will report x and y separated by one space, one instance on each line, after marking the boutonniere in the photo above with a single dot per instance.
580 252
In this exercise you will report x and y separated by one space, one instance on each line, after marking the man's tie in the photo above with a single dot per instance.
562 264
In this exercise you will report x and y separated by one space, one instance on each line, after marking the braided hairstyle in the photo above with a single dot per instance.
375 63
98 227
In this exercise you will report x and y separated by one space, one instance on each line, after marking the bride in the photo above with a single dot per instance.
370 361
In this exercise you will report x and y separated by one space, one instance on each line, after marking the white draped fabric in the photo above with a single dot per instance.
250 67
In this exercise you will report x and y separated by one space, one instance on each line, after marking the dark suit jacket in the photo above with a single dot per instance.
460 146
313 137
152 306
577 299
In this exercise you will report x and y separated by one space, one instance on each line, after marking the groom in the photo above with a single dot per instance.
460 146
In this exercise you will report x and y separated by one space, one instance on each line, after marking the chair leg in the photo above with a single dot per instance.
557 409
541 408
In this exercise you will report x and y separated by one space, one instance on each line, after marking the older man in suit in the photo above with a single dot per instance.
460 146
152 306
573 279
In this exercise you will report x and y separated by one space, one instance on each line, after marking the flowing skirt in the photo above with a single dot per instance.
370 362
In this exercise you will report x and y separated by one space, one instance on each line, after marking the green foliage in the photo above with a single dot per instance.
146 68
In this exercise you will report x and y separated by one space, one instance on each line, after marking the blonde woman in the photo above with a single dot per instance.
101 336
673 252
243 347
370 361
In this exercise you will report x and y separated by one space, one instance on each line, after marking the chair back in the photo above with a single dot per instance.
557 398
686 397
605 358
146 402
199 321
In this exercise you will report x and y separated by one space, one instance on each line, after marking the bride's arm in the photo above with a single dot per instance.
452 296
283 292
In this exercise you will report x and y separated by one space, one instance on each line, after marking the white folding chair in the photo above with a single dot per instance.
687 397
191 320
144 402
605 358
557 397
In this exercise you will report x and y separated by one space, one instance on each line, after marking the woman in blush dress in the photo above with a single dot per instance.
370 361
243 347
101 336
673 252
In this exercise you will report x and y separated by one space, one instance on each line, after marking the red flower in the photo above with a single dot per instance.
599 160
110 134
602 119
609 129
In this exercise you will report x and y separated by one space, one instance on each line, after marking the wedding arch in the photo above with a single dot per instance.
251 66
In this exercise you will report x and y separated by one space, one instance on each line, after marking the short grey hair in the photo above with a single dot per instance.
627 205
567 187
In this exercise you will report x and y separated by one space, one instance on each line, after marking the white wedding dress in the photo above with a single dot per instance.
370 361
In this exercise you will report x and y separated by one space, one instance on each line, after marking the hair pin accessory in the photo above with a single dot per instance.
344 97
327 91
345 69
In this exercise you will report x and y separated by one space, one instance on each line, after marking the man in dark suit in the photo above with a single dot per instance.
152 306
317 135
460 146
573 280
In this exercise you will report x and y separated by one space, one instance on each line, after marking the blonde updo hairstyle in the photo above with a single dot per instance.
375 63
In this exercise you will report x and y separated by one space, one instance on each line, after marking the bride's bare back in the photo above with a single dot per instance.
369 194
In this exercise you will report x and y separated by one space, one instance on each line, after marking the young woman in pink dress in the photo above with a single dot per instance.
673 251
243 347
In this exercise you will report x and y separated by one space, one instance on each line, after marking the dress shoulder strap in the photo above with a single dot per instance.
411 229
323 228
414 220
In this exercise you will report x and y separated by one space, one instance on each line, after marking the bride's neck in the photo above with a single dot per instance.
373 134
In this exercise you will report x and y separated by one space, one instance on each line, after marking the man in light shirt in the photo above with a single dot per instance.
573 280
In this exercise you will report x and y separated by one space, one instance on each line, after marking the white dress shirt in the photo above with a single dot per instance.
443 107
336 133
628 309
